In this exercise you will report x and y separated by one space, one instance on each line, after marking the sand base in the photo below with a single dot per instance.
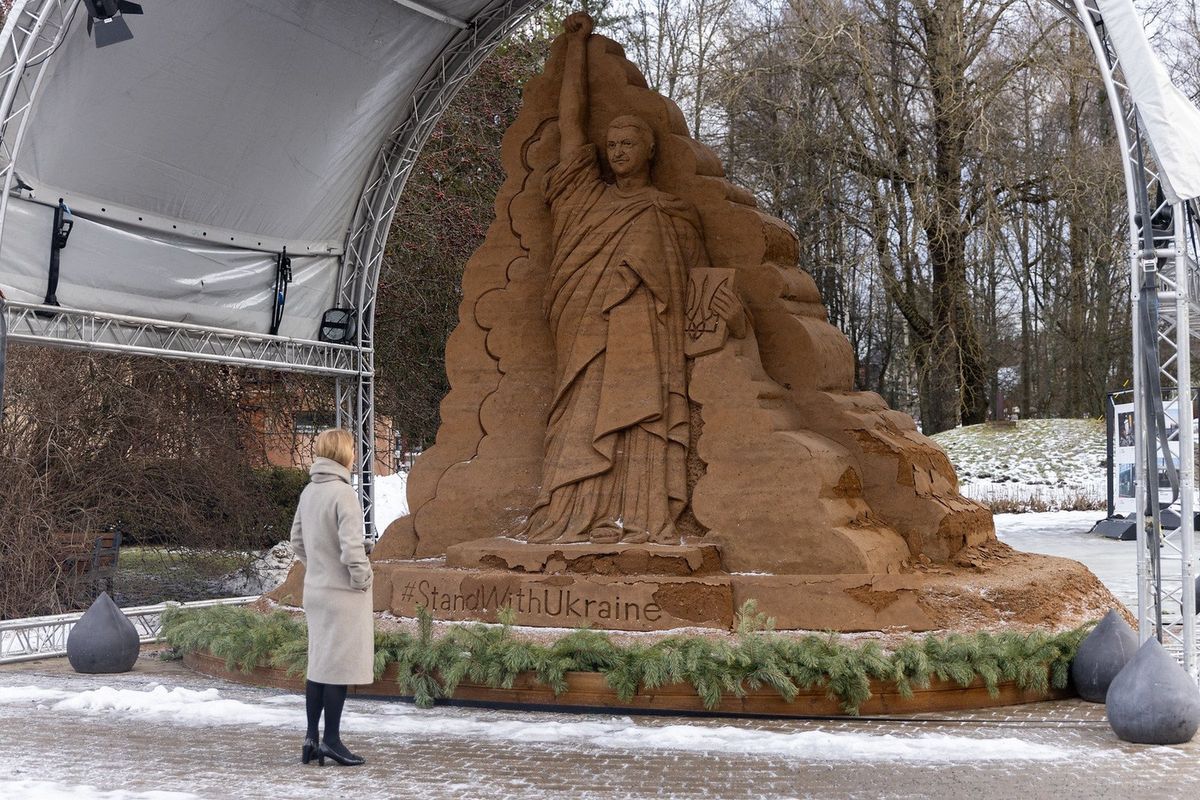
985 587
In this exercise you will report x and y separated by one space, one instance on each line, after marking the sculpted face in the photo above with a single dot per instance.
629 151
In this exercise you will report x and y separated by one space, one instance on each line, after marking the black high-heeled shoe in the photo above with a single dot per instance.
308 752
339 754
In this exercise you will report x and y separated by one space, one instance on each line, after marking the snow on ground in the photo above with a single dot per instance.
50 790
1040 464
262 574
1065 533
34 695
180 706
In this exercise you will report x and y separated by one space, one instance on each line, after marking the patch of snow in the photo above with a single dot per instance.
262 574
49 790
14 695
193 707
391 499
823 746
207 708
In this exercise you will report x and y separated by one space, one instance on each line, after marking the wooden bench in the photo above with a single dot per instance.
90 558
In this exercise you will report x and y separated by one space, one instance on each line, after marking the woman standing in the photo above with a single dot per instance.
327 535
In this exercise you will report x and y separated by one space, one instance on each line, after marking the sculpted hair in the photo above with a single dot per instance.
336 444
631 121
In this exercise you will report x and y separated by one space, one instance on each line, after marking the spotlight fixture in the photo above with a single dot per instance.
107 19
337 326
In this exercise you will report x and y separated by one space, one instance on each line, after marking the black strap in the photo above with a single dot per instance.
283 276
1152 409
59 233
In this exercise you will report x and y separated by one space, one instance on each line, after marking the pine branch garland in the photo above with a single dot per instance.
430 667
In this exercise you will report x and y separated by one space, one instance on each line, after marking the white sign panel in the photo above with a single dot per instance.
1123 476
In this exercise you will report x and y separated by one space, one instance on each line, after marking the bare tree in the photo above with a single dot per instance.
889 133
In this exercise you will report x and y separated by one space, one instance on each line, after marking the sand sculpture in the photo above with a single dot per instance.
651 419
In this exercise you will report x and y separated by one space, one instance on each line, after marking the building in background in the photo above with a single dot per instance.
285 418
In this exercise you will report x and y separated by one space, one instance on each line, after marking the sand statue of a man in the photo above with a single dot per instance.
617 438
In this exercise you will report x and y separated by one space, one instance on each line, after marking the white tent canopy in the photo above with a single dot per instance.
221 134
193 157
1172 123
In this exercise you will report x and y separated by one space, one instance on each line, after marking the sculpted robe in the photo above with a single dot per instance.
616 443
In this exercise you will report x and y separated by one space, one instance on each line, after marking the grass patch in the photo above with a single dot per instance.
431 666
1031 502
149 574
166 562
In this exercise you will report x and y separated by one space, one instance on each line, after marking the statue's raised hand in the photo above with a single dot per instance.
579 24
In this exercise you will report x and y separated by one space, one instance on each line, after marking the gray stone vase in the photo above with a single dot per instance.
1105 651
103 640
1152 700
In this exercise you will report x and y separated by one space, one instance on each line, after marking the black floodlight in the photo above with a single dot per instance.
337 326
107 19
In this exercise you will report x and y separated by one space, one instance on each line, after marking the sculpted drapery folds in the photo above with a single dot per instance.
616 442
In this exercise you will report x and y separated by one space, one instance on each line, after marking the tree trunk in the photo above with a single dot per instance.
957 378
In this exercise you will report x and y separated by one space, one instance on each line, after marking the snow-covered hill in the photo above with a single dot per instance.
1036 465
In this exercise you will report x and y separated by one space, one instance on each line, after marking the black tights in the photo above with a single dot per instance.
327 697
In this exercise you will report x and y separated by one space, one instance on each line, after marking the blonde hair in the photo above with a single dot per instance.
336 444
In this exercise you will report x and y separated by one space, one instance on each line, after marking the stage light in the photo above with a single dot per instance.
337 326
107 19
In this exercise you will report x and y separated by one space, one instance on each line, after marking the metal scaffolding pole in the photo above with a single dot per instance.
1163 281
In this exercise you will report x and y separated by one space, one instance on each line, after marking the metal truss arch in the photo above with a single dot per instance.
33 31
1163 287
365 246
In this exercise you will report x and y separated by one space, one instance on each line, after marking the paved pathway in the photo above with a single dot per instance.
244 744
130 749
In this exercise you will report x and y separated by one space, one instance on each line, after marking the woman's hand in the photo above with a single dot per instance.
579 24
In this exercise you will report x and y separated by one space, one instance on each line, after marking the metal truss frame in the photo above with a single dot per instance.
33 638
64 327
33 31
1167 266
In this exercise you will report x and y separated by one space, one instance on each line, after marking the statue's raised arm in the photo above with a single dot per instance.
572 99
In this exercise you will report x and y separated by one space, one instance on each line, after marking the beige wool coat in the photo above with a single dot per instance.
327 535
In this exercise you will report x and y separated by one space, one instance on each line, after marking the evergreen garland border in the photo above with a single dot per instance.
430 666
